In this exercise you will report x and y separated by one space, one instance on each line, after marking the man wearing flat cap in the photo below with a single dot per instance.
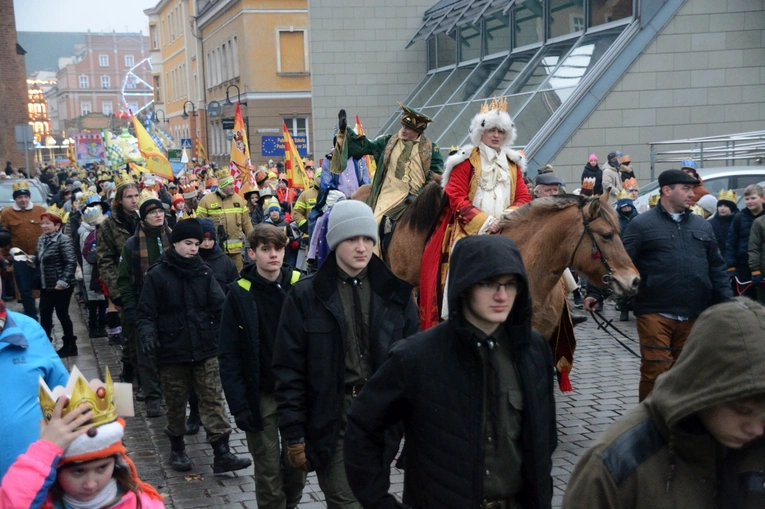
547 184
681 274
406 162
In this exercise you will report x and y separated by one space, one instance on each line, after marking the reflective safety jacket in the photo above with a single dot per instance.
229 213
303 207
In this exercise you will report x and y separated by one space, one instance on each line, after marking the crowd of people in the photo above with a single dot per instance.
277 308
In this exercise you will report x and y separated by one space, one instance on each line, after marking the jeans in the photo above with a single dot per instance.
23 275
59 300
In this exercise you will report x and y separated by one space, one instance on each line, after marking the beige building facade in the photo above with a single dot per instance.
255 52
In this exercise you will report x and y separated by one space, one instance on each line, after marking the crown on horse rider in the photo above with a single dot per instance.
496 104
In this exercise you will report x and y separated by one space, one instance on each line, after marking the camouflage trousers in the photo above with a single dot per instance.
204 378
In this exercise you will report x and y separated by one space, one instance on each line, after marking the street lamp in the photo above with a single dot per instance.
164 117
193 110
228 102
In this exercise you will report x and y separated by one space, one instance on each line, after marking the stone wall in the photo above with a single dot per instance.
13 88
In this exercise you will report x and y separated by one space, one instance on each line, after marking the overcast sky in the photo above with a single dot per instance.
81 15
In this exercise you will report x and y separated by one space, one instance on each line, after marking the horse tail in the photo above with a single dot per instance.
421 215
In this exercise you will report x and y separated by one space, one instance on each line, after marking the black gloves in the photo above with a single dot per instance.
342 121
245 421
149 344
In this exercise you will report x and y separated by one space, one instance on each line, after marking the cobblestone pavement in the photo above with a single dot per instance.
605 381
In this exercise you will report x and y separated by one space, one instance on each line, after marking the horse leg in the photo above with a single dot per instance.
404 254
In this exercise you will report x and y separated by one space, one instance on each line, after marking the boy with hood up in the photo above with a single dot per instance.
697 440
475 394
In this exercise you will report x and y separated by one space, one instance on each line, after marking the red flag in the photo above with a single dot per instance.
293 164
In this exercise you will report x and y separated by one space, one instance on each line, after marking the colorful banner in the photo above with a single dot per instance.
371 164
239 162
293 164
156 162
199 150
88 148
273 146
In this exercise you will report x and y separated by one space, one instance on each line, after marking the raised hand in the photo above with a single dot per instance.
342 121
63 430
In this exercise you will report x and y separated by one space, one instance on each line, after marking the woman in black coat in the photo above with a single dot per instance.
56 262
592 171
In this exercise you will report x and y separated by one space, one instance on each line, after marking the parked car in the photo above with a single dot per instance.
37 189
715 179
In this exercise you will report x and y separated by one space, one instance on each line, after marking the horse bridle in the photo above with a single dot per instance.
596 253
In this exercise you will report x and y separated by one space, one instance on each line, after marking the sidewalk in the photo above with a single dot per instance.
605 380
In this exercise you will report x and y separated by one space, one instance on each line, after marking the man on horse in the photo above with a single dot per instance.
481 181
406 162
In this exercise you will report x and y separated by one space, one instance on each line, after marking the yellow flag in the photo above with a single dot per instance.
156 162
293 164
239 162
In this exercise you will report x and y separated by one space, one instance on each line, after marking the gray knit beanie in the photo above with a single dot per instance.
348 219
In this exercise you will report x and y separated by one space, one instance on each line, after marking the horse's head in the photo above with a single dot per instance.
600 254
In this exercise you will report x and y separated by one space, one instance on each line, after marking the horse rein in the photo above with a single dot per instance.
596 253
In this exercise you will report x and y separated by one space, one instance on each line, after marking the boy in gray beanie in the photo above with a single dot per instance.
336 328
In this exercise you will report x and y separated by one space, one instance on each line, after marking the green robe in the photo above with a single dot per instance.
380 148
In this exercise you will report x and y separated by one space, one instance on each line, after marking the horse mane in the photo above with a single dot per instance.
550 204
421 215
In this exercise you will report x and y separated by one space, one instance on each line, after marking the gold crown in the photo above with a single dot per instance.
588 183
146 194
20 185
83 198
623 194
496 104
653 200
58 212
630 183
223 174
122 179
97 394
728 195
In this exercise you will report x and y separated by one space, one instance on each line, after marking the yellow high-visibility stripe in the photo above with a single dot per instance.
295 276
244 283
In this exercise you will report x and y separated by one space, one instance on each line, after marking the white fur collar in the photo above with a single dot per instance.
463 154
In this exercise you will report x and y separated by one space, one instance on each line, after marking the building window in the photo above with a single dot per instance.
84 81
529 24
224 61
106 108
298 127
133 107
106 82
235 56
565 18
291 51
605 11
84 108
103 60
497 33
129 61
157 88
153 34
173 85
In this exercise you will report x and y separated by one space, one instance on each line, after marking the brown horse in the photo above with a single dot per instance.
552 234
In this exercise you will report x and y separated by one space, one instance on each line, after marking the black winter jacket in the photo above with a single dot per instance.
56 261
681 270
309 355
5 236
181 309
737 250
222 266
594 171
247 336
434 383
721 227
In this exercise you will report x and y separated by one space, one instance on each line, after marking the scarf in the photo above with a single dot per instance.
406 153
186 267
108 494
158 234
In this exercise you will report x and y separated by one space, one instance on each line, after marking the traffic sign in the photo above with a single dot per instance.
186 143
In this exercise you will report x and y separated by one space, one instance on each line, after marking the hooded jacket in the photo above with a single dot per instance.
223 268
624 219
612 182
721 226
737 250
309 354
659 456
434 384
247 337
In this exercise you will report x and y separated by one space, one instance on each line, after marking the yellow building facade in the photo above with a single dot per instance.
179 100
255 52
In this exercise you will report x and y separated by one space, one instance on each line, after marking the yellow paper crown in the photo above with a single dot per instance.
146 194
223 174
623 194
123 179
588 183
653 200
58 212
83 198
97 394
496 104
20 185
630 183
728 195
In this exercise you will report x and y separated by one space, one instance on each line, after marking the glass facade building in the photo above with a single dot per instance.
535 53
